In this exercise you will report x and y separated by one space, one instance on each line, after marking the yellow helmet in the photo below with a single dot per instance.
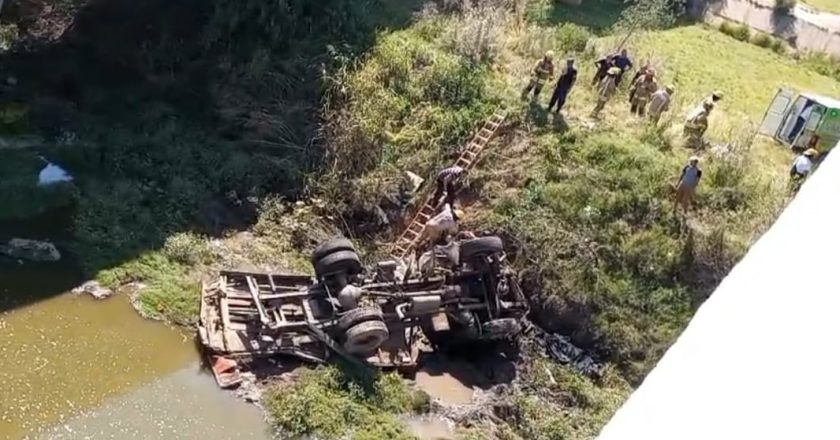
811 152
458 213
549 54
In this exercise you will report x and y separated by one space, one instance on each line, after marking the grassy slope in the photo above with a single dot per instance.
589 209
825 5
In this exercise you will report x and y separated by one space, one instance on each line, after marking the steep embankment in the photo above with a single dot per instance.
587 205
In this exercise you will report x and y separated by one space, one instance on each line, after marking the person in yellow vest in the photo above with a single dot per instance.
606 89
542 72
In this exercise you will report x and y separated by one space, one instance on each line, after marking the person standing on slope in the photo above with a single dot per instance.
564 85
606 90
645 87
687 184
542 72
660 102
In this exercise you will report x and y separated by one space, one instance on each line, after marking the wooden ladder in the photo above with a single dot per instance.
468 158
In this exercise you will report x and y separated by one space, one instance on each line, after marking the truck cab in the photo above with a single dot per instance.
802 120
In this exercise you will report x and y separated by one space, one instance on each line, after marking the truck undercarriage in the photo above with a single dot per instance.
457 293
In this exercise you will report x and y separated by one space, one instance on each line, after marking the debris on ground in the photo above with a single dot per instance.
94 289
561 349
32 250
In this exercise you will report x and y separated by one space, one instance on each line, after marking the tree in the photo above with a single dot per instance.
648 15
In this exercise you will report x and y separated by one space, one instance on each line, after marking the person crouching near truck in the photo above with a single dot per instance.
801 168
441 226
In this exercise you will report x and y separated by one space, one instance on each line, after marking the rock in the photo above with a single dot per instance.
93 289
31 250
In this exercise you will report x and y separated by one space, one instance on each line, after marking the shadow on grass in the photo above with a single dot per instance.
177 116
537 113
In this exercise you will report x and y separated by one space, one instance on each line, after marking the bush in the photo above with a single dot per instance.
778 46
187 248
762 39
477 34
572 38
739 32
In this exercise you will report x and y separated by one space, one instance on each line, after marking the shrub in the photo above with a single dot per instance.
762 39
778 46
572 38
477 34
739 32
187 248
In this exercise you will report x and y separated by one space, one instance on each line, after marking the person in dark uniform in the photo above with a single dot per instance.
564 85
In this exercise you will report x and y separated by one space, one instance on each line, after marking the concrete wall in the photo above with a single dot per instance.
808 29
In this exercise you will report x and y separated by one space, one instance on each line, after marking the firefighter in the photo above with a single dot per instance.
660 102
645 87
697 124
606 89
542 72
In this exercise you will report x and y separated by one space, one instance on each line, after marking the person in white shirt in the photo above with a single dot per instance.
802 164
444 223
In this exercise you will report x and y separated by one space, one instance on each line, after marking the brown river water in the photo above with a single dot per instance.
72 367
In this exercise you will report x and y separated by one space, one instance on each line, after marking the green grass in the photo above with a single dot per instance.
327 403
692 59
825 5
590 209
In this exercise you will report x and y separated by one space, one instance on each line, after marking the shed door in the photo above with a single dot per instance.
775 115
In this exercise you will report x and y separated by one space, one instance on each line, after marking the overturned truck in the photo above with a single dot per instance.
459 293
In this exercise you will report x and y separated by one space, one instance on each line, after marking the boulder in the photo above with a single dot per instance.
31 250
93 289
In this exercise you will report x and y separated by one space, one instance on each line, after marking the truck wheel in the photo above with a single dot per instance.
332 246
480 246
365 337
358 315
502 328
339 261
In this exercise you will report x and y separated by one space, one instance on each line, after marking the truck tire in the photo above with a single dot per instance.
365 337
499 329
332 246
480 246
358 315
339 261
